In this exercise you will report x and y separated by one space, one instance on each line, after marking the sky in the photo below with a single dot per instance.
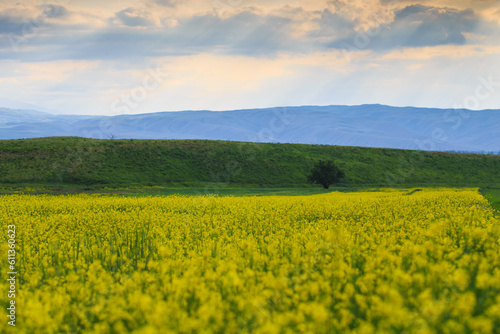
127 57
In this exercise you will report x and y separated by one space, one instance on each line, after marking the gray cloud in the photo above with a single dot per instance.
270 35
133 18
20 28
54 11
333 26
244 33
427 26
15 22
417 26
10 24
167 3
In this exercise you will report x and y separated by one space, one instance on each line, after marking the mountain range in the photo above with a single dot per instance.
364 125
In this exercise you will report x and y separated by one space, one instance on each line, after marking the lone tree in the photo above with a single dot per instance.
325 172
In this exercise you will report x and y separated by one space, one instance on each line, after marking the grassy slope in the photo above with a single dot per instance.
492 195
176 163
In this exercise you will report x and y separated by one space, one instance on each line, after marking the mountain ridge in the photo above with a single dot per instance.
369 125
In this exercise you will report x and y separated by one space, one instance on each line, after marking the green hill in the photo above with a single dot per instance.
198 163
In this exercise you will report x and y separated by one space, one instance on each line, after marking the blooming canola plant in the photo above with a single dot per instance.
391 261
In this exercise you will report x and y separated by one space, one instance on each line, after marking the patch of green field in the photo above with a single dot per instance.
163 191
73 164
233 191
493 196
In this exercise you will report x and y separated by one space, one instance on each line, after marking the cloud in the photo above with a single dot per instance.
155 30
15 19
416 26
333 26
54 11
21 24
10 24
245 33
364 14
134 18
260 35
167 3
428 26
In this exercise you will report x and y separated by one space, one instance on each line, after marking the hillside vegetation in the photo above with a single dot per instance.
77 161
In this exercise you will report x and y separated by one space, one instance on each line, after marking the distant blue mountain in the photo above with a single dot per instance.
365 125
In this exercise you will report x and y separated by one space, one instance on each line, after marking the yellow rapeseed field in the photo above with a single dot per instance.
395 261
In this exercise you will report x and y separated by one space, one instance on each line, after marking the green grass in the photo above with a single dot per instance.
233 191
493 196
185 191
72 164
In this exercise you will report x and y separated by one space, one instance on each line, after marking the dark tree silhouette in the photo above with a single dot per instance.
325 172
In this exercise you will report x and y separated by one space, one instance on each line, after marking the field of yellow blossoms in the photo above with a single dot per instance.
387 262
